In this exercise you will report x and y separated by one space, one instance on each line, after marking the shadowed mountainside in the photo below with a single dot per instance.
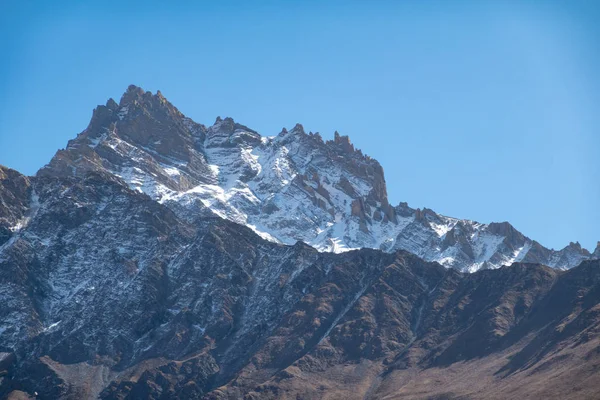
107 292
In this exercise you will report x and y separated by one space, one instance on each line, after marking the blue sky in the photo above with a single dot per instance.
481 110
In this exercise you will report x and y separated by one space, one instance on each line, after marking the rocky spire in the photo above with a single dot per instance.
132 94
596 253
343 142
298 128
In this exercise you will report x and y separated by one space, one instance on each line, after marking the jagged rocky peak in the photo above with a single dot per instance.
111 104
141 117
576 246
502 228
228 125
289 187
596 253
374 207
508 231
425 215
135 95
343 142
150 120
138 139
132 94
228 133
298 129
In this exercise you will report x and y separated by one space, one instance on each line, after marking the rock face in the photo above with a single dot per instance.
289 187
596 254
14 197
110 294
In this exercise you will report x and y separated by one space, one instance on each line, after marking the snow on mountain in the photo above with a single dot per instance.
107 293
289 187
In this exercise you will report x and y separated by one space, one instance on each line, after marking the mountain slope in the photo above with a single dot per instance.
109 293
293 186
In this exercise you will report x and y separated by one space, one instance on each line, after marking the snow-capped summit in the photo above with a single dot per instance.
289 187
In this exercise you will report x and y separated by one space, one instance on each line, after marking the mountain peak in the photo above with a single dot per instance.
575 245
596 253
112 104
132 94
135 95
232 171
343 142
298 128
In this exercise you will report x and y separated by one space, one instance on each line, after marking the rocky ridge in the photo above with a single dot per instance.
289 187
110 294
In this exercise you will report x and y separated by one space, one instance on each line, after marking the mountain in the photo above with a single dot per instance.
289 187
107 293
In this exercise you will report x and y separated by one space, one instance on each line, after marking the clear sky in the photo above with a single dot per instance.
481 110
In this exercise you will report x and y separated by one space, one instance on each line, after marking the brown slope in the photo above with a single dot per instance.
520 332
